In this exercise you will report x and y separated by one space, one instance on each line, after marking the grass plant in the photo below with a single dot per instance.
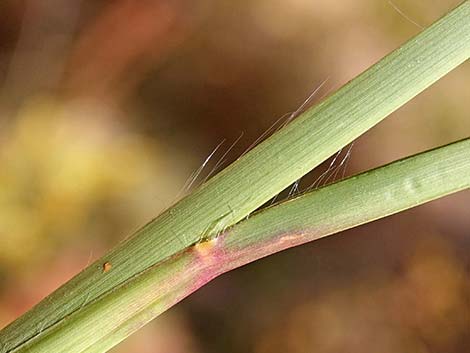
207 233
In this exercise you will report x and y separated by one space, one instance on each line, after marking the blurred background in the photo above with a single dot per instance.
107 107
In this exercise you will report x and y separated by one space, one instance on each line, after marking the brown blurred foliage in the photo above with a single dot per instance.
108 106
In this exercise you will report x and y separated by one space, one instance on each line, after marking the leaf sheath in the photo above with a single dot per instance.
343 205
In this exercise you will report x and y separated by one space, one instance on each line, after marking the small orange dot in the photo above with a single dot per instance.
107 266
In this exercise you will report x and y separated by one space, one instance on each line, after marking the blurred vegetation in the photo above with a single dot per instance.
106 107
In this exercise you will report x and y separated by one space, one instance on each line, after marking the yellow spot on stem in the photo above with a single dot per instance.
205 247
107 266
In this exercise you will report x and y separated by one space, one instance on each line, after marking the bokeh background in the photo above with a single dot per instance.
107 107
